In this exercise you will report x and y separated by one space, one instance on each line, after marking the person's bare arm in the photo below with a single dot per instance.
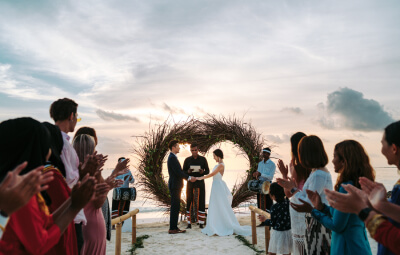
217 170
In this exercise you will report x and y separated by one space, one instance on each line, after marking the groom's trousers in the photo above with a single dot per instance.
175 207
201 206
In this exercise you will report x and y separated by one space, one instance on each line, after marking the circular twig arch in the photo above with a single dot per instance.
151 150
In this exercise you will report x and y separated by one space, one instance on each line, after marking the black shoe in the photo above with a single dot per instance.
189 226
201 225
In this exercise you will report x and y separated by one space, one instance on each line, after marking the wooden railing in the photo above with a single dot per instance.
255 210
118 222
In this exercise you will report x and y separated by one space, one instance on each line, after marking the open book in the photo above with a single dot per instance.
196 169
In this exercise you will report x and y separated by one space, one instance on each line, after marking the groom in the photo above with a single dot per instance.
175 184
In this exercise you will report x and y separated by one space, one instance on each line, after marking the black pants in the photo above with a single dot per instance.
79 236
175 208
267 202
201 206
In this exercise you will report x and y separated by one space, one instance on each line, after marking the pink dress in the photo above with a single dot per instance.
94 233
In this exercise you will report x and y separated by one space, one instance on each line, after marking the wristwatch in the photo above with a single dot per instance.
363 214
293 190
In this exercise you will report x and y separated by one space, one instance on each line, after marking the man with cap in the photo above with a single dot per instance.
265 172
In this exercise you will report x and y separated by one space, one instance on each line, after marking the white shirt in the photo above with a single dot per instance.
70 160
267 169
317 181
71 163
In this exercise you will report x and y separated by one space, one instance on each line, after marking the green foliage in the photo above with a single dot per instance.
248 244
138 244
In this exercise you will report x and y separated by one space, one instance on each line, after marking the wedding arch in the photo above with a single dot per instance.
151 150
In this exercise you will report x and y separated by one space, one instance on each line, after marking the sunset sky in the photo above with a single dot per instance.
330 68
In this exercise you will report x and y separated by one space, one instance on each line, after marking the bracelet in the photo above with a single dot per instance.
363 214
293 190
374 223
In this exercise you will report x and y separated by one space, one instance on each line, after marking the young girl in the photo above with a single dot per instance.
281 236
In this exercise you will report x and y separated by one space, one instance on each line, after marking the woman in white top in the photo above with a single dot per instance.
221 220
300 175
312 155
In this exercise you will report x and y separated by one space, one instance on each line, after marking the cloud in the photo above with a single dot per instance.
173 110
294 110
112 116
278 139
348 109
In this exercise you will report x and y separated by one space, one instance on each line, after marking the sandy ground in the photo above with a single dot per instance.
192 242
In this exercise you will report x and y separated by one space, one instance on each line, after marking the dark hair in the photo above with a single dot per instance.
355 163
56 145
121 158
172 144
219 153
87 131
392 133
312 153
62 109
193 145
301 172
276 190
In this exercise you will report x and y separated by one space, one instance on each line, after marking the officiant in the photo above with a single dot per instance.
196 166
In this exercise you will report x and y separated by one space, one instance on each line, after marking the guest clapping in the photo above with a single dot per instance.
380 217
32 229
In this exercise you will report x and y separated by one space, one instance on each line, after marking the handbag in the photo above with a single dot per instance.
125 194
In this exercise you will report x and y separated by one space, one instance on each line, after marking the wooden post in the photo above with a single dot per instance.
267 236
133 229
253 228
118 228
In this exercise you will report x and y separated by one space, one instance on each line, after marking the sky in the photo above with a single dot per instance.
329 68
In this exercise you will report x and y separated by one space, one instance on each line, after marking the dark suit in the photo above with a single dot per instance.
175 184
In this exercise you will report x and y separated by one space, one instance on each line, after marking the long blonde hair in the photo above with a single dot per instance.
84 145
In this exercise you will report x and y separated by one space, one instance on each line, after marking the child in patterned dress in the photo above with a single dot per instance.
281 236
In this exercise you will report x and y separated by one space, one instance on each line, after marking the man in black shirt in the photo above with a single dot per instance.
196 166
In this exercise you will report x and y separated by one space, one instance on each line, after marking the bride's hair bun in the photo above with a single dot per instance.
219 153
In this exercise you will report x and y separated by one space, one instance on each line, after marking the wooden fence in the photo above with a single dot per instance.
254 210
118 222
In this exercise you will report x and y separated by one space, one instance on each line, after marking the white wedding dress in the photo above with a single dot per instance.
221 220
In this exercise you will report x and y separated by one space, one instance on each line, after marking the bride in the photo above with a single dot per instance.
221 220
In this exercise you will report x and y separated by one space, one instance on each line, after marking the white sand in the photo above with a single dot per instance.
192 242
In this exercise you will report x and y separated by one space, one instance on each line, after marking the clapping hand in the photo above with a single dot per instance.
101 189
376 192
288 183
17 190
315 199
113 183
352 202
90 165
304 207
101 159
283 169
82 192
121 168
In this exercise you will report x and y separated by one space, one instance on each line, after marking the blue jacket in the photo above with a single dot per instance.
176 175
349 235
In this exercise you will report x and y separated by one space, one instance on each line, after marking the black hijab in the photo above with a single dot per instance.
22 139
56 145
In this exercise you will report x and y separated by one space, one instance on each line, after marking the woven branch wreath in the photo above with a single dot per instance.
152 148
